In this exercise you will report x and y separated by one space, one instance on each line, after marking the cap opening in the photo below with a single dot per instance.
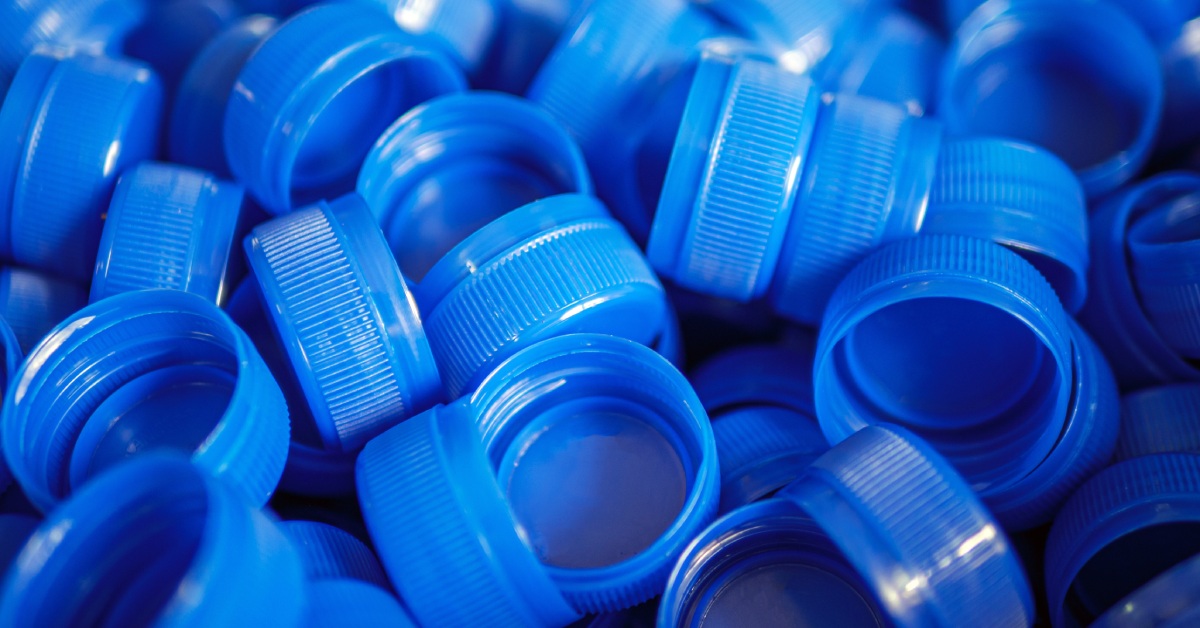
1176 222
945 367
1126 564
128 565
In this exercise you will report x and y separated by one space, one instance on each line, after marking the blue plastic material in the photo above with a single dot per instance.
617 80
1164 258
774 190
1114 313
32 303
879 531
13 356
174 31
1160 420
203 556
862 47
339 603
170 227
458 162
1171 600
137 372
957 339
314 96
464 30
69 125
93 25
526 35
552 503
349 326
1080 78
330 553
1122 528
15 530
555 266
196 132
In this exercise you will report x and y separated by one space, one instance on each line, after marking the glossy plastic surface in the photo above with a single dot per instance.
174 31
330 553
1163 419
1171 600
32 303
138 372
206 557
464 29
88 25
1164 259
337 603
298 124
70 124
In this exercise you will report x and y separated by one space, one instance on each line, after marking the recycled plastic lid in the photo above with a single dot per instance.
1164 249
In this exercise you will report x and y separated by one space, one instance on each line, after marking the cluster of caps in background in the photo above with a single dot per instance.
600 313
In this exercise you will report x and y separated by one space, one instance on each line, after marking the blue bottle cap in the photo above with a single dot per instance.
456 163
670 339
172 227
1163 249
13 356
196 133
1114 314
523 40
1097 105
15 530
96 391
617 79
315 94
555 266
94 25
204 556
71 124
311 469
1165 419
330 553
465 30
1124 526
350 328
32 303
174 31
881 530
958 339
1020 196
338 603
771 375
1171 600
1085 446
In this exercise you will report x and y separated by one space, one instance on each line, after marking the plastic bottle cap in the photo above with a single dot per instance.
523 40
96 391
1114 313
342 311
1097 104
848 545
1124 526
464 29
315 94
173 31
75 123
336 603
15 530
204 556
95 25
196 133
651 484
1160 420
617 80
1163 248
170 227
13 356
770 375
330 553
557 265
33 303
1171 600
458 162
958 339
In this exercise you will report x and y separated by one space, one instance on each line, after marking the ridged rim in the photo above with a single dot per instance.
1157 420
330 553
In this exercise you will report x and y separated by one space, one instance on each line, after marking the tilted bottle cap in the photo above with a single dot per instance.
330 553
1164 259
92 25
1171 600
1164 419
336 603
33 303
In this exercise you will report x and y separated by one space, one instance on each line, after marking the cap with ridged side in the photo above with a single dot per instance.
444 533
958 339
915 532
337 603
76 122
94 25
733 177
1020 196
866 182
1164 245
1171 600
762 449
1113 313
1164 419
33 303
466 28
773 375
1141 514
554 266
315 94
342 311
801 33
138 372
172 227
330 553
196 132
